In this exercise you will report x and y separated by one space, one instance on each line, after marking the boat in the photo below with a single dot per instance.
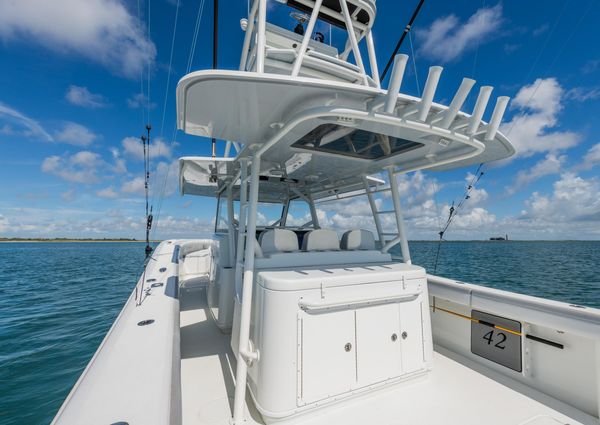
278 320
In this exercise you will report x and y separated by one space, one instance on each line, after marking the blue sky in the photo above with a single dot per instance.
72 109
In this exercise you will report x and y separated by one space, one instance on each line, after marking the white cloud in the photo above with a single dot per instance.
541 30
139 100
134 186
447 38
582 94
69 195
81 167
4 224
573 199
63 222
551 164
25 126
101 30
473 219
592 157
119 166
81 96
108 193
534 129
163 181
75 134
166 178
590 66
133 148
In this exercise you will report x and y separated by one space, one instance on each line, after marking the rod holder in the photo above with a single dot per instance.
479 109
395 82
457 102
497 115
433 78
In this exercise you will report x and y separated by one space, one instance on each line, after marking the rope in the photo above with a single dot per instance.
174 133
454 210
406 31
414 61
139 13
146 145
167 89
149 64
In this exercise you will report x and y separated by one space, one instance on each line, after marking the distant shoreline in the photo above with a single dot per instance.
121 240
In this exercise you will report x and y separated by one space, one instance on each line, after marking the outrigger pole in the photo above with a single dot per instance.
146 145
407 29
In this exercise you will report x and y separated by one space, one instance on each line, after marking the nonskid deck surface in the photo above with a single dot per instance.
452 394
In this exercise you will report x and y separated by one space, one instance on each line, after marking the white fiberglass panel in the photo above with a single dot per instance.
327 355
411 337
378 355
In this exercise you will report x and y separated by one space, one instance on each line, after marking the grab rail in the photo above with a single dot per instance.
315 306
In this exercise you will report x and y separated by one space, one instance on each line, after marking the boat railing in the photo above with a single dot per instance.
256 49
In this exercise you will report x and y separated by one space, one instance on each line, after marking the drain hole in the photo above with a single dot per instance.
150 280
146 322
162 269
157 284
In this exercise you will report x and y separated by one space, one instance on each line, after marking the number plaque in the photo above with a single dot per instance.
497 339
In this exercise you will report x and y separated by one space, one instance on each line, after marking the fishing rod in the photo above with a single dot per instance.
407 29
146 146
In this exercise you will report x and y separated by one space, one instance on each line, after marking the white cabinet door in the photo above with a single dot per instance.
411 335
327 351
378 344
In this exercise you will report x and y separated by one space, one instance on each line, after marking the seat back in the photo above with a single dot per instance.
358 239
321 240
278 240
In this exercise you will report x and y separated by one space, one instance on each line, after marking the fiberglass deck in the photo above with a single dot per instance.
452 394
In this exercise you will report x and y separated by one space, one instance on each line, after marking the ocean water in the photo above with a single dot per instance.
58 300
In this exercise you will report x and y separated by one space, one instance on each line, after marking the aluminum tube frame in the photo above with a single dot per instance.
307 35
261 42
248 36
399 217
374 211
353 42
245 354
239 262
230 225
313 212
373 58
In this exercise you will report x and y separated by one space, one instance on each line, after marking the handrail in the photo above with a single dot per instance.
315 306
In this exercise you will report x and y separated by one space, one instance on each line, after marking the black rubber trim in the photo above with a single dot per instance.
545 341
172 288
175 257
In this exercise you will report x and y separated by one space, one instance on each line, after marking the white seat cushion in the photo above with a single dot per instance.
321 240
358 239
278 240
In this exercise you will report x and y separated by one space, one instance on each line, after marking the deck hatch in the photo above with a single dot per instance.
358 143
